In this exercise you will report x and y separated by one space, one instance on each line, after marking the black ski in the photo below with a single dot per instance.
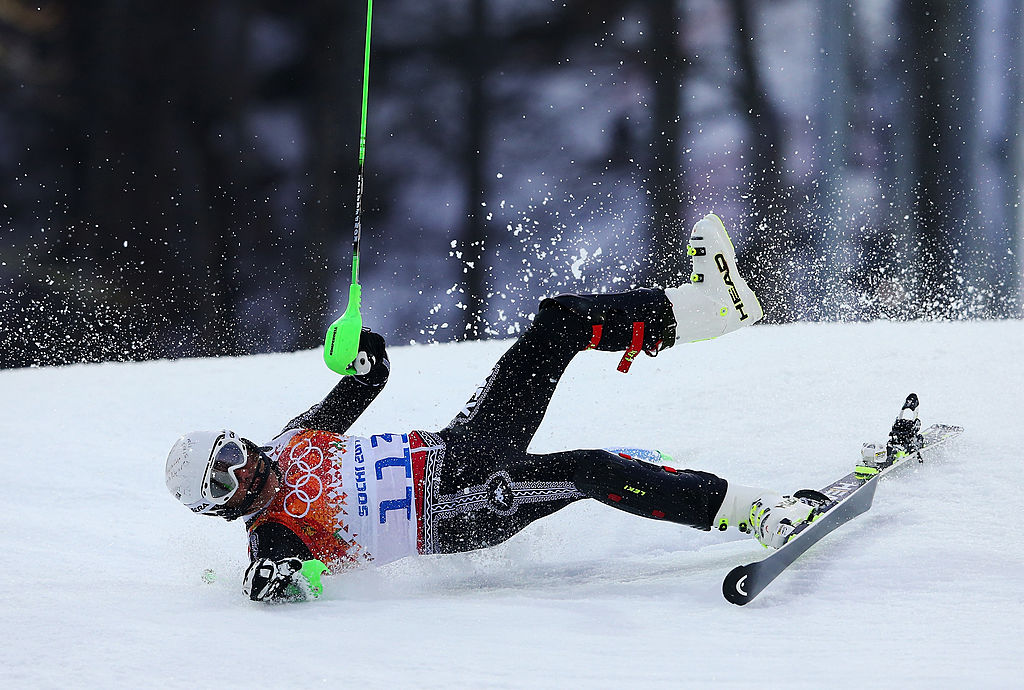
849 497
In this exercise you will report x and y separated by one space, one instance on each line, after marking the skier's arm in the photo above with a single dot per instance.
352 395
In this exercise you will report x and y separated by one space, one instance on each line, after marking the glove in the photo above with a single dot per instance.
267 580
371 351
289 579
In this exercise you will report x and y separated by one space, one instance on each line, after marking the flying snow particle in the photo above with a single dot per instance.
577 264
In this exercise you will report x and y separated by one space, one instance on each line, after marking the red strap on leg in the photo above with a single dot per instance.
596 337
634 347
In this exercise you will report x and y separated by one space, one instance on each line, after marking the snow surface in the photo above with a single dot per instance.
102 583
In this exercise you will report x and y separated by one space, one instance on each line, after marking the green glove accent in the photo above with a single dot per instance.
305 584
341 344
312 570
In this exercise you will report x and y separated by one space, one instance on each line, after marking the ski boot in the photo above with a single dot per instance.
717 300
735 508
650 320
774 519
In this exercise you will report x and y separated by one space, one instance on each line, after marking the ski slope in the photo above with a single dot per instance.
102 579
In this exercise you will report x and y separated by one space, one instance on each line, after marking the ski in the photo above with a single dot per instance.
848 497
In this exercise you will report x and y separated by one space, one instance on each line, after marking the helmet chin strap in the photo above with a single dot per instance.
248 505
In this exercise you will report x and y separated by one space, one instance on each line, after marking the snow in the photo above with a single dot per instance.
102 583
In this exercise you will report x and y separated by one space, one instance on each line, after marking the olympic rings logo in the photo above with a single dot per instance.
301 478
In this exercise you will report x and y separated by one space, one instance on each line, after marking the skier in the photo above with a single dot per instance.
316 500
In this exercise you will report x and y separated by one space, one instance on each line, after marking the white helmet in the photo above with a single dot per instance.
201 468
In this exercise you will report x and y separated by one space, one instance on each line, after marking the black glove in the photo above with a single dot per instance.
267 580
371 351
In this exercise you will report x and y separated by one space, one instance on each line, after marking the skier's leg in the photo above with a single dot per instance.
475 508
661 492
636 320
694 498
511 403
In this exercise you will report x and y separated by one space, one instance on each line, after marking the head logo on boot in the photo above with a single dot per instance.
723 268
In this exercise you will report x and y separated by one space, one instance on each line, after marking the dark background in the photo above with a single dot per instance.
178 179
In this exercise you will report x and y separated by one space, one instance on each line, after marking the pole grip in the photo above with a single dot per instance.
341 344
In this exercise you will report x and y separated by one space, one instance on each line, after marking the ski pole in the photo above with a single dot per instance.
341 344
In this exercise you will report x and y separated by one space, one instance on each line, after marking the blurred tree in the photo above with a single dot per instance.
940 105
770 237
1009 301
169 221
839 99
666 66
334 64
1015 180
157 86
476 63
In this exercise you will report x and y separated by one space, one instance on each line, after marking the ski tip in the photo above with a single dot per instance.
737 587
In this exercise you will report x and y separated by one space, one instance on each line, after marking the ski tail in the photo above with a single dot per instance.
745 582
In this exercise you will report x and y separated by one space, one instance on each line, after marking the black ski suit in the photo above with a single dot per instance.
480 486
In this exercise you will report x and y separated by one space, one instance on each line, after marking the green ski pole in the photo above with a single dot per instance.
341 344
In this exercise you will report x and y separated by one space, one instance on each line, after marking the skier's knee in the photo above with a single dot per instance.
567 318
586 317
618 321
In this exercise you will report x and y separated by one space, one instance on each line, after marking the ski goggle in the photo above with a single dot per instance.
220 482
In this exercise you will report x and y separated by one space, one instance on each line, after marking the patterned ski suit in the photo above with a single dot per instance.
349 500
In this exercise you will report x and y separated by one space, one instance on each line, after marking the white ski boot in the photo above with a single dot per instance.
774 518
717 300
735 509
